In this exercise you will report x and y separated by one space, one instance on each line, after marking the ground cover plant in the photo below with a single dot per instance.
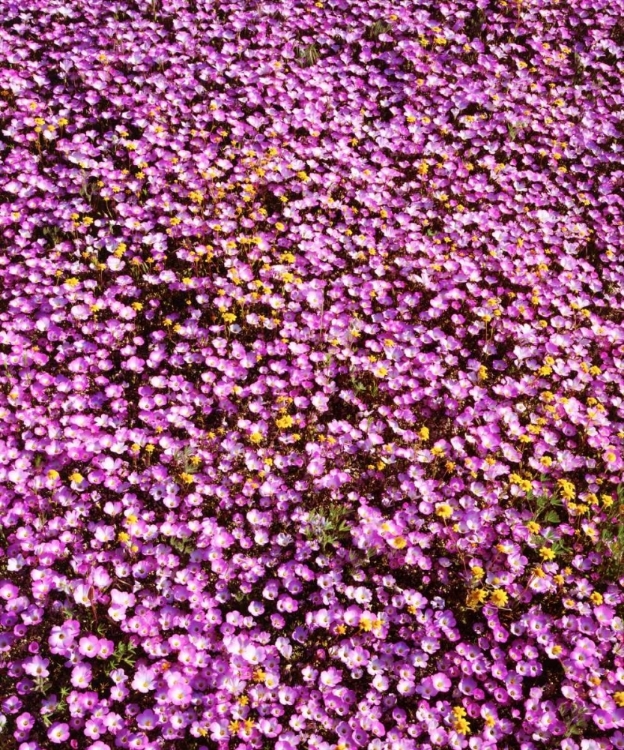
311 370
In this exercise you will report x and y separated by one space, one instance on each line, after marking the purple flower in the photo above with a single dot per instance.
58 732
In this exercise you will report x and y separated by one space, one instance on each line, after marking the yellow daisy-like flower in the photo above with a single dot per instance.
366 623
546 553
619 699
533 527
499 598
476 597
424 433
607 500
444 510
398 542
76 477
53 474
256 437
567 489
285 422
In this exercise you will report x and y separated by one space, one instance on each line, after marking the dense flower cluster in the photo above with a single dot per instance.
311 374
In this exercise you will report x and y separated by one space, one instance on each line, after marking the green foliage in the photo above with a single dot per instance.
60 707
544 507
377 29
361 388
183 546
183 459
328 527
308 55
125 653
574 719
611 543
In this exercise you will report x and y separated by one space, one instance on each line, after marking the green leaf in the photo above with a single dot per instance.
552 517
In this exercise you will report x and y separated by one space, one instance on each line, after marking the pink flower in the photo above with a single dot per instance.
58 733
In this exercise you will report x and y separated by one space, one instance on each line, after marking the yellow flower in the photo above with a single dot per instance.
123 537
187 478
398 542
72 282
596 598
52 474
366 623
482 373
256 437
567 489
285 422
381 371
533 527
476 597
424 433
607 500
499 598
461 726
76 477
619 699
477 571
132 519
444 510
546 553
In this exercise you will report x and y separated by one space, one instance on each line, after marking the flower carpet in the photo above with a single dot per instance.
311 374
